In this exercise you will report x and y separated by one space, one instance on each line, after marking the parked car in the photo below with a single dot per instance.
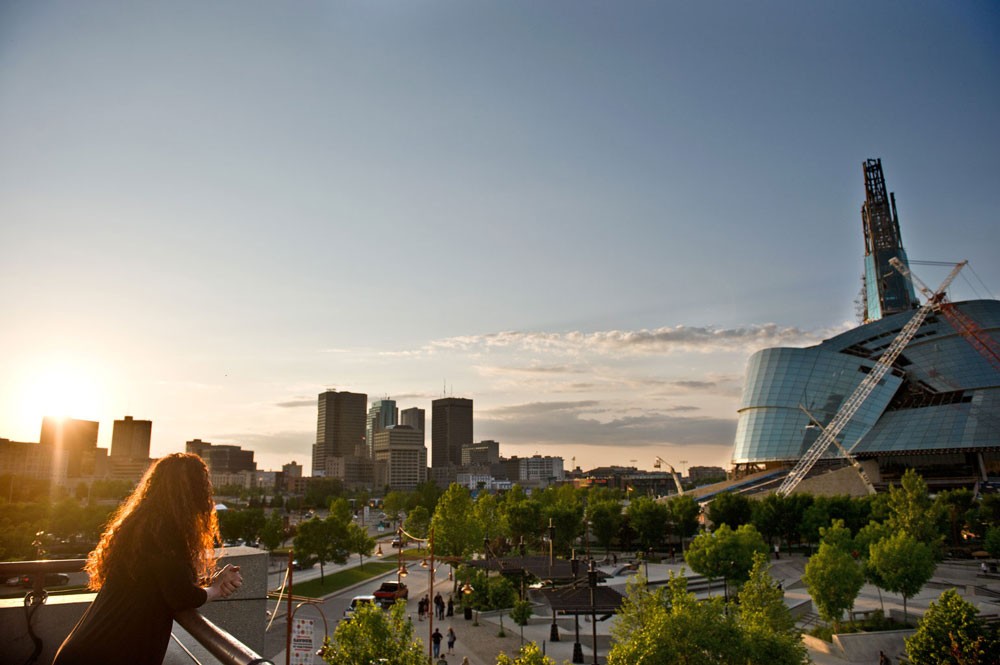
27 581
396 542
355 602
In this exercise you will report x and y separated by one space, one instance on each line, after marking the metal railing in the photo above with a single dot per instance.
226 648
219 643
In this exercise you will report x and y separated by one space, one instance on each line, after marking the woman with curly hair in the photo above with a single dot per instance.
154 555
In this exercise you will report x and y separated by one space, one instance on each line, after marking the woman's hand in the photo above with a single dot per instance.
225 582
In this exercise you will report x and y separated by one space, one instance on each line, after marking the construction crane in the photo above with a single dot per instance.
846 453
677 478
851 405
963 324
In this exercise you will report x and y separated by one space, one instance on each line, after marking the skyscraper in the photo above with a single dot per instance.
74 446
412 417
130 439
382 414
886 291
340 428
451 428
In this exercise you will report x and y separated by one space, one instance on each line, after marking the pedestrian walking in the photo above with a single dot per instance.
451 640
465 660
436 638
451 607
439 606
421 608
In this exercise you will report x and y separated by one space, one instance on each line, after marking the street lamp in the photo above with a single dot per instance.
577 647
554 631
592 583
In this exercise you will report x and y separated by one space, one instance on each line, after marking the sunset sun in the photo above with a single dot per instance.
62 390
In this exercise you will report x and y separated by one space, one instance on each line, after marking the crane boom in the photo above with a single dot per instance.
867 385
677 478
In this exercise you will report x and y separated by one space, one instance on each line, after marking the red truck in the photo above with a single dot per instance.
390 592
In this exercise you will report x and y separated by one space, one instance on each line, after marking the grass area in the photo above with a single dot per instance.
341 579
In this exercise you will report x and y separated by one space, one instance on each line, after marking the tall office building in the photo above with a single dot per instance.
130 439
887 292
413 418
451 428
74 446
340 428
400 457
382 414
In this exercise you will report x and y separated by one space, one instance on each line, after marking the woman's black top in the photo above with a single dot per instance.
130 621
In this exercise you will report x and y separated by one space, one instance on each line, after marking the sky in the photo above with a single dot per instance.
585 216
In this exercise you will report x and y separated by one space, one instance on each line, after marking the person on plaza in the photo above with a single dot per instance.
465 660
436 638
451 640
421 608
154 559
439 606
451 607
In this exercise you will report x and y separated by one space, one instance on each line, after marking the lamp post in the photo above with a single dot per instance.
577 647
554 631
592 583
430 626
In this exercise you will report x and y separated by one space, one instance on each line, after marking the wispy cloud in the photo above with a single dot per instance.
690 339
297 403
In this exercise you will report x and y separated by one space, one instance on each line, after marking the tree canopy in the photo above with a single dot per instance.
951 631
373 635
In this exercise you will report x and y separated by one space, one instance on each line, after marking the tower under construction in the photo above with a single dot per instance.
886 290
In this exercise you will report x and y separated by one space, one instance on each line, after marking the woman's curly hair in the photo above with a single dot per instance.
170 512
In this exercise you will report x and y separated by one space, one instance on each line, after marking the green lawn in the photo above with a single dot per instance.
341 579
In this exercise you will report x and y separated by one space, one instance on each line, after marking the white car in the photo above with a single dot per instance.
355 602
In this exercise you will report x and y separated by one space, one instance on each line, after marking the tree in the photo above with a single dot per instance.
567 518
521 613
374 636
529 654
323 539
766 516
488 511
605 519
683 512
951 631
762 601
832 576
456 531
957 508
912 511
417 522
649 519
394 503
359 542
730 508
725 553
273 532
769 632
524 517
669 625
904 565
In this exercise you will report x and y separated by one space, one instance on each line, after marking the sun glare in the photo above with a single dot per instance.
60 390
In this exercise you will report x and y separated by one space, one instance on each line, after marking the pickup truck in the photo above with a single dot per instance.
390 592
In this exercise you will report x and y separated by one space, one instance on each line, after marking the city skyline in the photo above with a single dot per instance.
584 217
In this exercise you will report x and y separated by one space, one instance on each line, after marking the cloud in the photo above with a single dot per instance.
297 403
578 423
690 339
